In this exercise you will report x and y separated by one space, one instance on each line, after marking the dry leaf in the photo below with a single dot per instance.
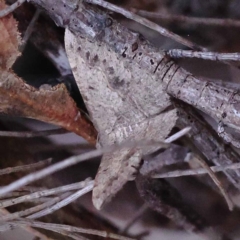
49 104
9 40
124 103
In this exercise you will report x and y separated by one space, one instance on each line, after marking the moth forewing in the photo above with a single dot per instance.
119 98
121 166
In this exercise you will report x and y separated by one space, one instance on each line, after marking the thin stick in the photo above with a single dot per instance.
177 135
44 193
74 160
213 56
12 195
193 172
49 170
29 30
146 23
61 227
226 22
31 189
28 167
63 203
31 210
30 134
11 8
7 227
28 229
40 200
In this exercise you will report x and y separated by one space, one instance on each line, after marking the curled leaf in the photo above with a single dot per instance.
49 104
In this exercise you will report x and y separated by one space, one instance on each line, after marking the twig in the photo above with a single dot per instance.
64 202
226 22
31 210
147 23
83 157
213 56
40 200
31 189
12 195
216 181
199 171
34 201
29 30
177 135
11 8
30 134
61 227
49 170
25 167
44 193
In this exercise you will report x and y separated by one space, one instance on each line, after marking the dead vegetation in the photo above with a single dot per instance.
50 177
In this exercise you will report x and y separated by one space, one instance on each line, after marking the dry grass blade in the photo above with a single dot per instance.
40 200
44 193
36 233
205 169
30 134
199 171
31 189
147 23
226 22
49 170
61 227
11 8
12 195
25 167
177 135
77 159
64 202
31 210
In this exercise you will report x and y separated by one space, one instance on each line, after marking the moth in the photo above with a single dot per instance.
118 95
126 84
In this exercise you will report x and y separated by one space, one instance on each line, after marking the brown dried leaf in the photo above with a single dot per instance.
9 40
49 104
